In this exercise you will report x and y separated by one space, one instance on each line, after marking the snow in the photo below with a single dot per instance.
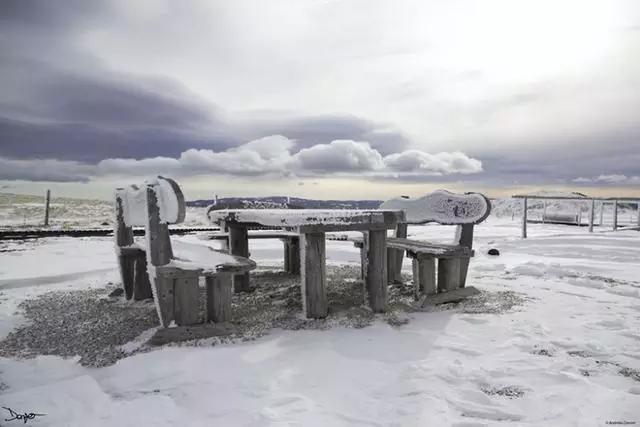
190 256
565 357
135 202
442 207
293 218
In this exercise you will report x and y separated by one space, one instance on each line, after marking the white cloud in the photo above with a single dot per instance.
608 179
271 155
432 164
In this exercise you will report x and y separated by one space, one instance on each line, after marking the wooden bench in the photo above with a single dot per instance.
170 272
443 207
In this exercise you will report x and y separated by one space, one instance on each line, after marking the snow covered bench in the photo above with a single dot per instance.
443 207
170 272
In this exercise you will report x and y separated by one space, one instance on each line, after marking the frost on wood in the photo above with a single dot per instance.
443 207
294 218
188 256
170 202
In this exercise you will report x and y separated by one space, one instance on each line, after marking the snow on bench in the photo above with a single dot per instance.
169 272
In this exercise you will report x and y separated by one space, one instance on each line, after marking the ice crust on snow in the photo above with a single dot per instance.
442 207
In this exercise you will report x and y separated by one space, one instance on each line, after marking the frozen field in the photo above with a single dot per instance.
567 353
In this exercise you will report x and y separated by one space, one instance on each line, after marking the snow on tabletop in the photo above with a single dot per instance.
296 217
441 206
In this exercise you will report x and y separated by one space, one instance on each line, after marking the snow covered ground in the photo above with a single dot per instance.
568 355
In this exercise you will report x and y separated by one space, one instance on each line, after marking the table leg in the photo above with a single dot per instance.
376 280
313 271
239 245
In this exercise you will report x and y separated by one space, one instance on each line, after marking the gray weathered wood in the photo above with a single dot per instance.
123 236
424 277
294 255
615 215
159 254
186 302
376 279
188 333
601 213
239 245
219 298
638 213
465 239
448 274
451 296
363 255
592 209
313 272
401 233
46 208
524 218
141 285
287 252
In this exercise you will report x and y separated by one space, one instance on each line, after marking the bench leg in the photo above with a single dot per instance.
424 276
127 271
363 256
219 298
401 231
164 299
294 255
287 255
141 284
448 274
376 281
313 272
391 265
187 300
464 268
239 245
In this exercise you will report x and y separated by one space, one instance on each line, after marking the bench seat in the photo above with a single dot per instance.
252 234
206 260
422 249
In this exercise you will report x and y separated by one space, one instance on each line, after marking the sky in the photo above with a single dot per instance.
331 99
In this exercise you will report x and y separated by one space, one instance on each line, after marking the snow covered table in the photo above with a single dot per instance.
311 225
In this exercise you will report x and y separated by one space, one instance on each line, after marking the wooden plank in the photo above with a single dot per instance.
322 228
123 236
287 259
464 237
376 279
188 333
219 298
424 277
524 218
448 274
46 208
391 265
592 213
615 215
186 300
164 298
313 272
442 207
364 255
451 296
239 245
435 249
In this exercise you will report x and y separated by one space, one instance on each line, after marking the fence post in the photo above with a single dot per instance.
615 215
544 210
46 208
601 212
638 203
591 215
524 218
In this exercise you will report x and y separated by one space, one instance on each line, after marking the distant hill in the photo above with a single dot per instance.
281 202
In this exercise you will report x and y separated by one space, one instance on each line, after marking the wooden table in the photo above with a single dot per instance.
311 225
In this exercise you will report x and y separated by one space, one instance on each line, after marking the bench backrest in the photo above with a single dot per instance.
443 207
153 205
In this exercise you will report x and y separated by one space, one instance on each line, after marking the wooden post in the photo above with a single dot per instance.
591 215
401 232
424 276
123 235
46 208
601 212
239 245
287 251
160 254
464 238
187 298
615 215
448 274
141 284
218 298
544 210
364 255
524 218
376 280
294 255
313 271
638 213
